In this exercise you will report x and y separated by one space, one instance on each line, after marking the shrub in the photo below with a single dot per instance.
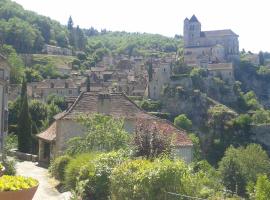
58 166
9 167
96 174
142 179
14 183
181 121
73 168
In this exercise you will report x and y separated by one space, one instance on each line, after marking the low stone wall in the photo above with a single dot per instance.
23 156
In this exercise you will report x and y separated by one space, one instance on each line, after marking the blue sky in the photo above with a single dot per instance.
249 18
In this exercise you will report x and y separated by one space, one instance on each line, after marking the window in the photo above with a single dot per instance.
69 91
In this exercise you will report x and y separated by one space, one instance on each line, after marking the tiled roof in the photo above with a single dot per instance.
49 134
119 105
220 66
218 33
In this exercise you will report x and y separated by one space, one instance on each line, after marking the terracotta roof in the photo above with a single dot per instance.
218 33
49 134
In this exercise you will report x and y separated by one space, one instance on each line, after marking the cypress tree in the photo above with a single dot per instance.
88 84
24 124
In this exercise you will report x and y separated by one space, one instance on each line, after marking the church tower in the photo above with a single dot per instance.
192 31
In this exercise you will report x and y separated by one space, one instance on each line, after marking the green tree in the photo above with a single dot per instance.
32 75
181 121
103 133
239 166
24 127
261 191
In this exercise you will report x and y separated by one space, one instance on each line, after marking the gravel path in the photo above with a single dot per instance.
46 190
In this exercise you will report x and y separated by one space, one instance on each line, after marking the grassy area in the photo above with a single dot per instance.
58 61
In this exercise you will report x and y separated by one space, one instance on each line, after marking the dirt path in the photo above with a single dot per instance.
46 190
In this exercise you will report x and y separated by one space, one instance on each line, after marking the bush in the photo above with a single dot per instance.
9 167
97 172
73 168
181 121
58 166
15 183
142 179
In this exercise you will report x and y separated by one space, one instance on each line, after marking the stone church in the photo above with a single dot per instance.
215 50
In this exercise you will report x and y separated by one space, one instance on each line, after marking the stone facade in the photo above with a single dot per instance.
61 87
4 80
54 50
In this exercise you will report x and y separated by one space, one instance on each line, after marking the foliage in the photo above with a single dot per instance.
150 105
261 190
24 125
150 142
15 63
11 142
72 170
27 31
9 167
103 133
261 116
242 165
97 174
57 100
15 183
58 166
32 75
142 179
38 112
181 121
197 152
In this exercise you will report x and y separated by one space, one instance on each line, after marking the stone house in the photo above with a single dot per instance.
4 82
52 142
61 87
54 50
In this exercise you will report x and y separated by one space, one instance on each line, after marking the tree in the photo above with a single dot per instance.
70 23
150 142
239 166
88 84
261 58
181 121
261 190
103 133
24 127
32 75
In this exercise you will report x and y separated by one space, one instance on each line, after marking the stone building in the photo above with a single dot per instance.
54 50
203 47
52 142
61 87
4 81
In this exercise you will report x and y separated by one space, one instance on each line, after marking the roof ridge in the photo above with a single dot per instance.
72 106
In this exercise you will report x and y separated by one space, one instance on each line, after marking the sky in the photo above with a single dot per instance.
247 18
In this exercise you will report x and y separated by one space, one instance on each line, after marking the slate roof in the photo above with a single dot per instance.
218 33
193 19
49 134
